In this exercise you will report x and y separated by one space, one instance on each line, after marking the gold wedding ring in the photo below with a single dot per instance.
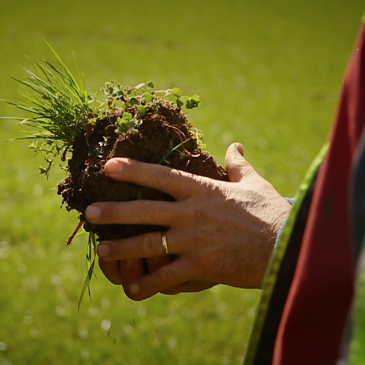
164 244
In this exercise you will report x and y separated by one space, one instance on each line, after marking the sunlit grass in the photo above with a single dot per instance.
268 75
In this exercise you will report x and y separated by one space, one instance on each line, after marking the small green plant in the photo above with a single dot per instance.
142 96
62 110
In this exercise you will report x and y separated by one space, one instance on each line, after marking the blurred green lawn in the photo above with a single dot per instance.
268 74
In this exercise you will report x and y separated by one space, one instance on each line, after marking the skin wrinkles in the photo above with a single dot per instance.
220 232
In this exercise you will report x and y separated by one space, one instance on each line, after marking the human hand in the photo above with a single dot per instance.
219 232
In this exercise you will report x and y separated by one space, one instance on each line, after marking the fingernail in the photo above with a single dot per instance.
103 250
92 212
113 167
239 148
134 288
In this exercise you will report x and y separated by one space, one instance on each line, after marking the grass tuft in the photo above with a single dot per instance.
59 106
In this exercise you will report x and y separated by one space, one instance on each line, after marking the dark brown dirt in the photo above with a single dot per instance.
152 142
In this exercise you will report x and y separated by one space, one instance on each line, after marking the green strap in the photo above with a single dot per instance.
357 350
276 260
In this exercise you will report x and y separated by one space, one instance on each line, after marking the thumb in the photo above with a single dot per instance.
236 165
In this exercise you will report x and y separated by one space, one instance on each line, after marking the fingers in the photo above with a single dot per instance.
129 272
166 275
190 286
236 165
132 212
205 227
148 245
154 263
111 270
174 182
159 281
122 272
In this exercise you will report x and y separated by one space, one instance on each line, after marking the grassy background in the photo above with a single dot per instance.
269 75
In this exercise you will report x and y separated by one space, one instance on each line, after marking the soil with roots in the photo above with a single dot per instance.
163 136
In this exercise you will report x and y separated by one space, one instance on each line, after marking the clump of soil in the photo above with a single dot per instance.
163 136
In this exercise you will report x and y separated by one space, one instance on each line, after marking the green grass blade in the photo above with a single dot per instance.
71 78
90 261
86 283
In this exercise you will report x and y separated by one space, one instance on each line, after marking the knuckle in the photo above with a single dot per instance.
164 177
165 275
148 245
146 211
